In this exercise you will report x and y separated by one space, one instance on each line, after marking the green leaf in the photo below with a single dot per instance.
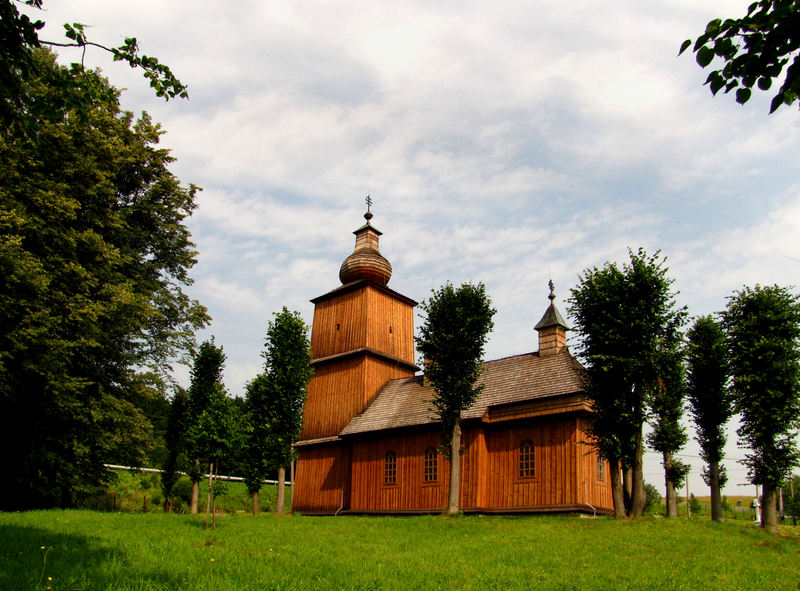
764 83
777 101
684 46
743 95
704 56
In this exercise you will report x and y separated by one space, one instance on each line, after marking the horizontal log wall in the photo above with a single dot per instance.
320 477
390 325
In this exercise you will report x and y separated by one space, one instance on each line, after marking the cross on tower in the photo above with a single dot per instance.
369 202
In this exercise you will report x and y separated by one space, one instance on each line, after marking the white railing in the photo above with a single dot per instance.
157 471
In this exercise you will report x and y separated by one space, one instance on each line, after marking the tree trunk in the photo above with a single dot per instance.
627 488
769 514
195 498
279 509
617 494
255 503
291 490
716 496
455 470
671 496
637 495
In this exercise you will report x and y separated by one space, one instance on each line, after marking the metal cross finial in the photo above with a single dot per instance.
369 202
552 295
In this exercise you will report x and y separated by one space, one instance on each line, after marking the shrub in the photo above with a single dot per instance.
652 498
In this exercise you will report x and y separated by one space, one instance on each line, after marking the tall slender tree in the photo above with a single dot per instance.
668 435
275 398
175 440
763 328
710 400
206 380
623 316
452 338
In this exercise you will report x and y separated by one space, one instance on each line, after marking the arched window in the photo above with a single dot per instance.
527 459
601 468
390 468
430 471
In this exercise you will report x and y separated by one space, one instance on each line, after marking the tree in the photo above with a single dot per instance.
19 36
94 256
275 400
755 49
709 400
256 457
452 337
212 438
624 316
206 381
175 439
763 328
666 403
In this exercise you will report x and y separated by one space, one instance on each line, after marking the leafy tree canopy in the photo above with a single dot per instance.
19 36
275 398
763 328
754 49
629 324
94 258
710 400
451 340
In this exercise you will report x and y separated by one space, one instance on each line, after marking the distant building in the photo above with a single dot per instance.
369 439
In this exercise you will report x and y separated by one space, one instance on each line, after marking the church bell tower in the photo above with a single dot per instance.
362 336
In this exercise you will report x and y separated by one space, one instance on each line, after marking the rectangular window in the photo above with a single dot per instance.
601 468
430 468
390 468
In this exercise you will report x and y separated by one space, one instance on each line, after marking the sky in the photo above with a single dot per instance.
507 142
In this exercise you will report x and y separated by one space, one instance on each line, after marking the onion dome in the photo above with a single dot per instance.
366 261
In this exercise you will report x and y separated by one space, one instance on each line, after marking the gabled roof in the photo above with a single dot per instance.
406 402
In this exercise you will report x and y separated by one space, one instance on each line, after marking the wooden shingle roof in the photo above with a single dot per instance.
406 402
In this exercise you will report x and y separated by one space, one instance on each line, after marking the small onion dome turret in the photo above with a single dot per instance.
366 261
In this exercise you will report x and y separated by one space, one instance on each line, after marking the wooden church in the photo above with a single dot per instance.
369 439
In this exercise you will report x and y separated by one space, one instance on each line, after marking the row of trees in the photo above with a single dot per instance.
638 368
251 436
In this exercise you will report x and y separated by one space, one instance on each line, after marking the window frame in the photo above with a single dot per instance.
430 466
526 459
390 468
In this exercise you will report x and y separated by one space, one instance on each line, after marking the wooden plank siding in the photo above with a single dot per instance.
370 493
339 324
390 325
340 390
321 479
596 491
335 395
565 475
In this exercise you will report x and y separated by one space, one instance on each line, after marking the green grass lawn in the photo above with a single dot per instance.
91 550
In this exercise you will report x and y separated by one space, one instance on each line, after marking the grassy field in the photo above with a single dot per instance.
91 550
